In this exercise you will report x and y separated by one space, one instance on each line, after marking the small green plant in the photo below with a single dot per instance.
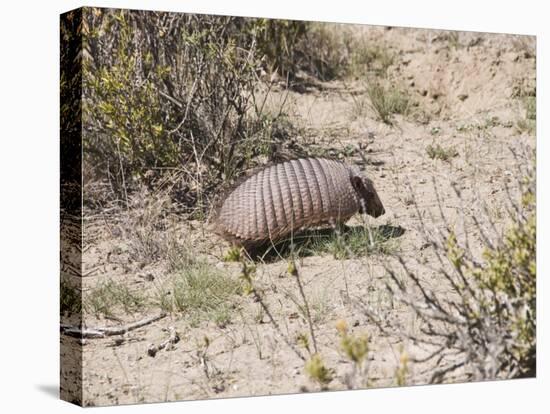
221 316
438 152
387 101
111 297
321 306
354 347
454 39
232 255
202 292
317 371
531 108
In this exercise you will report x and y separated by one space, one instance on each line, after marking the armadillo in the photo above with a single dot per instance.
293 195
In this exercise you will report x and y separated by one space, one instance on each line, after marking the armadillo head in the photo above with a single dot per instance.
368 197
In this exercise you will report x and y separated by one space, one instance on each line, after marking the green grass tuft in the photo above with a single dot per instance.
345 243
355 242
387 101
202 292
110 297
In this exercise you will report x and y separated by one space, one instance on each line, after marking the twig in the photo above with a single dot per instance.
77 332
171 99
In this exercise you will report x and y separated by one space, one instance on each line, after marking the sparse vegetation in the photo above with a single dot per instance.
180 94
356 242
489 322
342 243
355 348
111 297
525 91
376 58
387 101
438 152
232 255
201 292
402 370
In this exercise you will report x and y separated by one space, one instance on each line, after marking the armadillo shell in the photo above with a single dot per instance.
286 197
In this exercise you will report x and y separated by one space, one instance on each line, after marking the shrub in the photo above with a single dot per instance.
277 43
176 92
486 326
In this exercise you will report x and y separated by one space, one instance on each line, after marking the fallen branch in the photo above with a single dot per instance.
77 332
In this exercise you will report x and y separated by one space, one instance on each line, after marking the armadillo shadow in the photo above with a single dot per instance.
344 242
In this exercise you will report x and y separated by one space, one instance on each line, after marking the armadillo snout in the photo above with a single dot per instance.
375 207
369 199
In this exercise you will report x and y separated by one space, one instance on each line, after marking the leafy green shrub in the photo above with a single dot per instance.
181 94
173 92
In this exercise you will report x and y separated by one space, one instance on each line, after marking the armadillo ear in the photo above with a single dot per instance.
357 183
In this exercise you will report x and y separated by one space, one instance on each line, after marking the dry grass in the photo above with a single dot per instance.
438 152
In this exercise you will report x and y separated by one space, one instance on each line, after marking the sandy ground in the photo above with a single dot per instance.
464 87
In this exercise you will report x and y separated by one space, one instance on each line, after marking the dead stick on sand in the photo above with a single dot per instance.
107 331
